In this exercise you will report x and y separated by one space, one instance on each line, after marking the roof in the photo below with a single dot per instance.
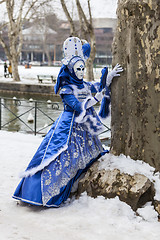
38 30
97 23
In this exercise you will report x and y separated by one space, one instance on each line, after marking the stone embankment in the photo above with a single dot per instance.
21 88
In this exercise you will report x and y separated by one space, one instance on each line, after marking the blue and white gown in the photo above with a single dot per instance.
68 150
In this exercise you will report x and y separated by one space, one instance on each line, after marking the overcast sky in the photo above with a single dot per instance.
104 8
100 8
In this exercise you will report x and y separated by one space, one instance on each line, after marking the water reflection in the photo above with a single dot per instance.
24 115
10 113
46 113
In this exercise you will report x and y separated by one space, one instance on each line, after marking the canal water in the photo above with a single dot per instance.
18 113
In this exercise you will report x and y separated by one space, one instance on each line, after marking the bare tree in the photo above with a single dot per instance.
46 48
136 94
42 24
84 30
18 12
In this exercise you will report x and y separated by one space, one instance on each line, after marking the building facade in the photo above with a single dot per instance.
43 45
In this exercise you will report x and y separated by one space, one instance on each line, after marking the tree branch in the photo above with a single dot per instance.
3 25
30 7
82 13
2 42
19 18
72 31
9 7
90 14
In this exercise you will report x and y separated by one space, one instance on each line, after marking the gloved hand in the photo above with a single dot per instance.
114 73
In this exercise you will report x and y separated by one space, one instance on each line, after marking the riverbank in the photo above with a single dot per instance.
29 84
23 89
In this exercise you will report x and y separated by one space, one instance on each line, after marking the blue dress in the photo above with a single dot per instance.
68 150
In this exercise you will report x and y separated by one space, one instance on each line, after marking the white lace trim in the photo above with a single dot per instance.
34 170
80 118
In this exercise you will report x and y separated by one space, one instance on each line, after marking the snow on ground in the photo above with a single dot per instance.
29 75
83 219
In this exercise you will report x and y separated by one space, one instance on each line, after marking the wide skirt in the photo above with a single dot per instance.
52 185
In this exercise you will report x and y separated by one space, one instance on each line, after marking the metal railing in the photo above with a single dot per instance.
11 106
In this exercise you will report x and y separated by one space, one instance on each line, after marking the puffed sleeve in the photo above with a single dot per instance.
80 107
66 90
73 102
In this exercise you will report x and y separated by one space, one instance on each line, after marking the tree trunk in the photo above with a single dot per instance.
90 60
89 70
14 63
136 94
14 58
47 53
49 58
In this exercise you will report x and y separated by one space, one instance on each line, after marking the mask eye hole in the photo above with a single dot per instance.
78 69
82 69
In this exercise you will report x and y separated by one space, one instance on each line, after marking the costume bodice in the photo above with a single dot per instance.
80 94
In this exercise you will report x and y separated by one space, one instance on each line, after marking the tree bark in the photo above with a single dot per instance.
14 63
136 94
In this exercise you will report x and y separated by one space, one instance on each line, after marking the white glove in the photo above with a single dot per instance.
114 73
98 97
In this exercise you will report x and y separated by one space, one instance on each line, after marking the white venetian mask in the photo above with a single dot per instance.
79 69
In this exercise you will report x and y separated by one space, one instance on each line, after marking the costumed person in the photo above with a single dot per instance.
72 144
